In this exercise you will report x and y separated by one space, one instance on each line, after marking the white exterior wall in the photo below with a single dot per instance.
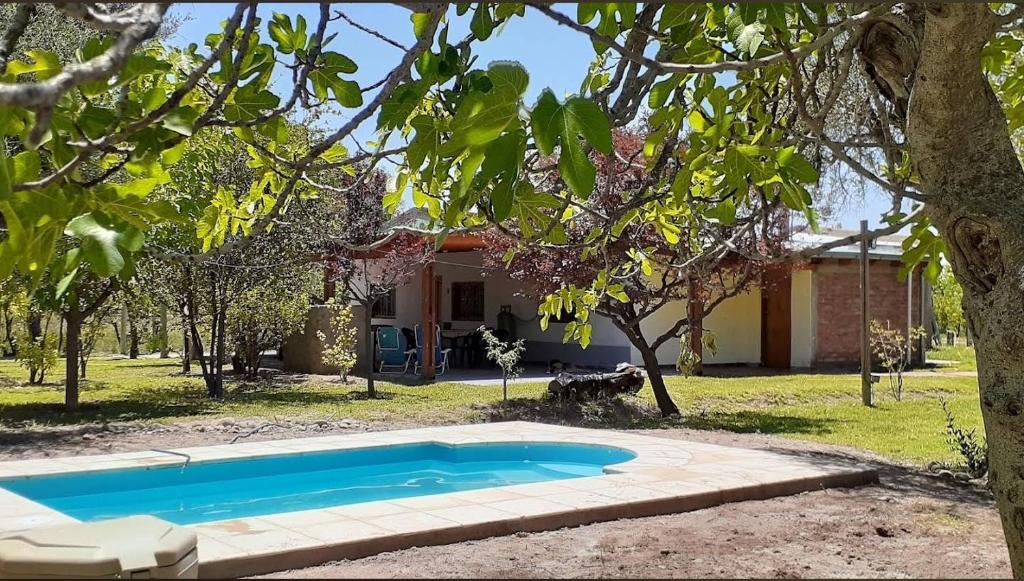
736 325
802 318
500 290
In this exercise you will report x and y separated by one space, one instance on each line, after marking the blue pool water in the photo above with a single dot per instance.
209 491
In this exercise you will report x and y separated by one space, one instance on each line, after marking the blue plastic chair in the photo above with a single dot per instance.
440 355
391 349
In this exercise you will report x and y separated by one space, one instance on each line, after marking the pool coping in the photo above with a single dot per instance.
666 476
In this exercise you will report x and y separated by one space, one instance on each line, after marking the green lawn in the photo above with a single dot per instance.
961 356
822 408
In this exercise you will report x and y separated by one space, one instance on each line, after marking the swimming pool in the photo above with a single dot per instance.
210 491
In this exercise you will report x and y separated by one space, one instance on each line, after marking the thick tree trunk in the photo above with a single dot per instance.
133 341
73 338
665 404
661 396
960 146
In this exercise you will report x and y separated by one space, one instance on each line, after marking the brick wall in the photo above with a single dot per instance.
837 306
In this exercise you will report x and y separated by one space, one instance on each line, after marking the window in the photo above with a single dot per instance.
467 301
384 308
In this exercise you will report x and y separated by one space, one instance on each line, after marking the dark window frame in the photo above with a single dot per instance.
459 304
386 306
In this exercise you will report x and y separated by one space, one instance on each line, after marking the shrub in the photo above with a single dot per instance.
339 350
890 346
965 444
260 319
38 356
506 355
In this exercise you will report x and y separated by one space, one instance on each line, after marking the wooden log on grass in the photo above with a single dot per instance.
625 380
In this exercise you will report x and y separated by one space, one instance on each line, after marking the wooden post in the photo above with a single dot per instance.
696 316
910 316
865 325
429 320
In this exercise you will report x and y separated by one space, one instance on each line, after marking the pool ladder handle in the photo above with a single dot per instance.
187 458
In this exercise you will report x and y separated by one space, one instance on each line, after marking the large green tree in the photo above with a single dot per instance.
745 105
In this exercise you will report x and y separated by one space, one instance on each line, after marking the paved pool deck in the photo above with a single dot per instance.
667 476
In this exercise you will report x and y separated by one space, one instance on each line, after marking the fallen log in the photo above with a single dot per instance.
626 379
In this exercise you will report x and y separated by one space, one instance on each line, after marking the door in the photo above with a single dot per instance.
776 317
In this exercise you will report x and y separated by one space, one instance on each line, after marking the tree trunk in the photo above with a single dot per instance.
133 340
122 336
371 389
665 404
661 396
218 358
9 331
73 338
186 351
165 344
960 146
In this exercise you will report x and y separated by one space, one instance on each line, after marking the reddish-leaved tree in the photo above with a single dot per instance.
664 266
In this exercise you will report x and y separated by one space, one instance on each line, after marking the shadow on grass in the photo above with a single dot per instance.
188 400
143 404
623 413
633 413
752 421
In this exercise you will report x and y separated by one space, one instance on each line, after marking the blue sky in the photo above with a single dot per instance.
556 57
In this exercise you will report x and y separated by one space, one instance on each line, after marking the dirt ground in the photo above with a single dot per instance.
910 525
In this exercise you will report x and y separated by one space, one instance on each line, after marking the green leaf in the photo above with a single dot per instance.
96 121
543 121
750 38
556 124
420 20
798 168
102 243
249 102
592 122
502 199
26 166
508 76
584 334
481 25
45 64
481 117
327 76
281 31
181 120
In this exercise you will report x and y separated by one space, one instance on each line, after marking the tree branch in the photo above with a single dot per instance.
43 94
711 68
22 15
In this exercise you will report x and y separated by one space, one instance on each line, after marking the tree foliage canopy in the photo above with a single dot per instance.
743 108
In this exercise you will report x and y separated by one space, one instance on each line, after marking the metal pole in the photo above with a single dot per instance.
865 327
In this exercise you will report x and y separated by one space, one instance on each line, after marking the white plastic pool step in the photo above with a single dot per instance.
137 547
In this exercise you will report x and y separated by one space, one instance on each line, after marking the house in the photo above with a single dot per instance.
802 317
